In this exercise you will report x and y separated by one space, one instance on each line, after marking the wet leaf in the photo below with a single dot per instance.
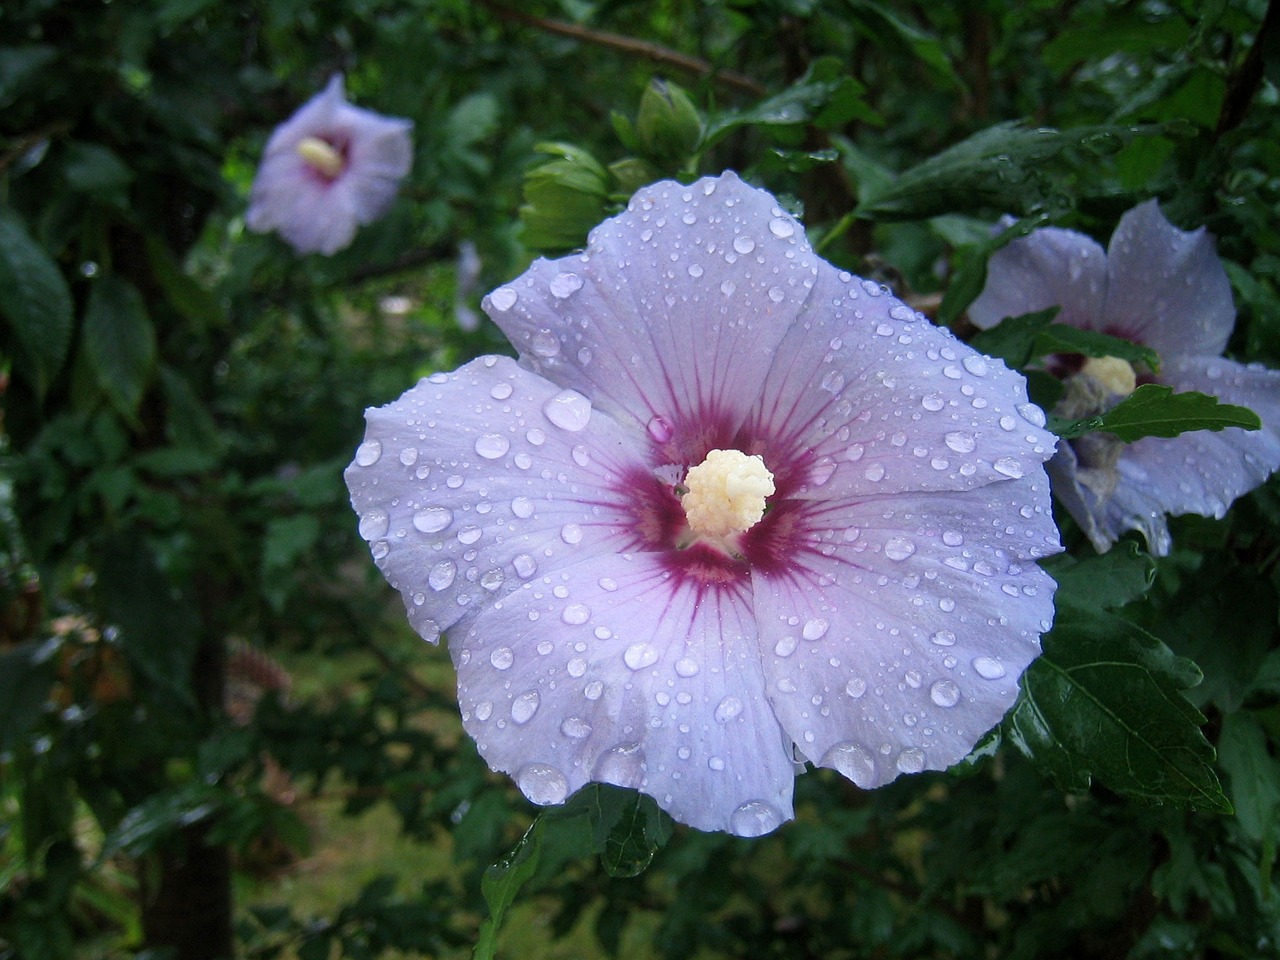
1154 410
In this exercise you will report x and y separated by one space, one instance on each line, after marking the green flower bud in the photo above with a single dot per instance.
564 198
668 125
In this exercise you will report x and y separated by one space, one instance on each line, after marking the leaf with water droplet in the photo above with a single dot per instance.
1154 410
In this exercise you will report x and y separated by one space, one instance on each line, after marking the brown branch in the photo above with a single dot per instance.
629 45
1244 83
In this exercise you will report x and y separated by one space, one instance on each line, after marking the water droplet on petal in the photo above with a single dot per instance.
542 783
853 761
565 284
781 227
856 688
409 456
441 575
502 658
622 766
728 708
944 693
368 453
975 365
640 655
491 446
522 507
743 245
503 299
899 548
960 442
374 524
525 566
686 667
568 410
754 819
575 728
571 533
576 613
1009 467
911 760
660 430
525 706
544 343
814 629
988 669
432 519
500 391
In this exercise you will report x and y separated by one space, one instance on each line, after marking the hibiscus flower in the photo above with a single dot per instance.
1165 289
327 170
732 510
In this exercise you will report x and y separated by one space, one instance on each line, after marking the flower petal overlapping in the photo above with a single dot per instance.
1163 288
875 620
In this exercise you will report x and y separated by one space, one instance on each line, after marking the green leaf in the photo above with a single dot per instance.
500 884
1020 340
160 816
971 275
184 293
92 168
629 828
1252 774
1013 339
1154 410
20 69
1105 700
884 28
120 342
1110 580
826 94
34 301
1007 167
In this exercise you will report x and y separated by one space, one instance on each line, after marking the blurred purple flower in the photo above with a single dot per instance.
850 575
327 170
1166 289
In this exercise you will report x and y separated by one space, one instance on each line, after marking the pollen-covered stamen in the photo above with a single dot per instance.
321 156
1116 375
726 493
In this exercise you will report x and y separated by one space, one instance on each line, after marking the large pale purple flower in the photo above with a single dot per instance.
1166 289
327 170
733 509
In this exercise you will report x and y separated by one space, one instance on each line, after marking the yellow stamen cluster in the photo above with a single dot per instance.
321 155
1114 374
726 493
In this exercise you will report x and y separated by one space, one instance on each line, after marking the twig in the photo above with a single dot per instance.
630 45
1244 83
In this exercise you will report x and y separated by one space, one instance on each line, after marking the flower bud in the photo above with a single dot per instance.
668 125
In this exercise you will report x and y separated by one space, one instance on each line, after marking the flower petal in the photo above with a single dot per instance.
1166 288
1048 267
675 305
867 397
900 639
475 481
1200 472
609 671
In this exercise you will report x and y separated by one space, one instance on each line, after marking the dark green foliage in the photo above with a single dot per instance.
187 614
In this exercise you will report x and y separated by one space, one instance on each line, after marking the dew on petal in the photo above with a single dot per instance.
441 575
575 614
503 299
369 453
815 628
640 655
374 524
944 693
988 668
754 819
491 446
542 783
522 507
565 285
502 658
852 760
623 766
525 706
1009 467
432 519
781 227
568 410
899 548
728 708
910 760
575 728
